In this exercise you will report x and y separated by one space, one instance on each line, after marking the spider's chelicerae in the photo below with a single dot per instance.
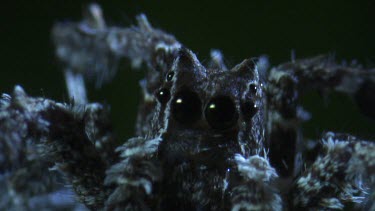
207 137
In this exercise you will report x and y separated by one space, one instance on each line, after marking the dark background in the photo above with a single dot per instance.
240 29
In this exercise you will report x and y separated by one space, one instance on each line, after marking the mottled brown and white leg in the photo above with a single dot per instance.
288 82
38 133
344 172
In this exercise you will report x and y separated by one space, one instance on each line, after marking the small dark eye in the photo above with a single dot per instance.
248 109
186 107
170 76
253 88
163 95
221 113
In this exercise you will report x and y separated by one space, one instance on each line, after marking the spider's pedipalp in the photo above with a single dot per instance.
256 192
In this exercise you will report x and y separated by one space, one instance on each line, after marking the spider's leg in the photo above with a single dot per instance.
323 74
25 181
134 176
74 139
282 121
342 173
92 48
217 60
288 81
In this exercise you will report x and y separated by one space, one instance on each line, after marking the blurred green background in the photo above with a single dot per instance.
241 29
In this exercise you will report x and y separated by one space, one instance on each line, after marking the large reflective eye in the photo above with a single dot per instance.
186 107
221 113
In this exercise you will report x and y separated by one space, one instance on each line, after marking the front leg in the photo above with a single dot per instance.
38 133
134 177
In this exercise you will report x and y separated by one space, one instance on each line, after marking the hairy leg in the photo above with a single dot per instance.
75 140
288 81
342 173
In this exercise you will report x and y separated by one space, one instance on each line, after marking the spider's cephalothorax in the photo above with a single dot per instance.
204 117
208 137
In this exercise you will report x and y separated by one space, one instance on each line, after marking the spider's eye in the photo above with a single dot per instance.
253 88
186 107
221 113
170 76
163 95
248 110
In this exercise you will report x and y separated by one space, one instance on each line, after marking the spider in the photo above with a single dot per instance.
207 137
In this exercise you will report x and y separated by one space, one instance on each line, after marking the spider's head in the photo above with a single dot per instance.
208 114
